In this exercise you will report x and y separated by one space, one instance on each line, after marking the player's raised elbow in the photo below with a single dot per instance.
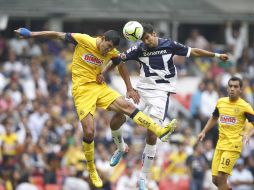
195 52
60 35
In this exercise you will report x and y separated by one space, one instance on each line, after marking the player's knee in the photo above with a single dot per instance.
151 138
221 182
214 180
127 107
88 133
117 120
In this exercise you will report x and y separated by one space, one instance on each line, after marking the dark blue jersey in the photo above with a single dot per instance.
157 68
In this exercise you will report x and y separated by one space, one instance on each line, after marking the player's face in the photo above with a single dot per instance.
234 90
150 40
105 47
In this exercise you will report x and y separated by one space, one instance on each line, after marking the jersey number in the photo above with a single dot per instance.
225 161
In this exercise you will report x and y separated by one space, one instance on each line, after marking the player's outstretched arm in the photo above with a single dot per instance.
210 124
25 33
196 52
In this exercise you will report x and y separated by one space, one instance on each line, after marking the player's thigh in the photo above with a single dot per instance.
119 118
85 98
122 106
157 104
228 160
107 96
216 161
142 106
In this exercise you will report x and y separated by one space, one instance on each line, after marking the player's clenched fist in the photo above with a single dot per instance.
100 78
201 136
23 32
223 57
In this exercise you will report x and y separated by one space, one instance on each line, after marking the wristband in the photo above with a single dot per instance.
217 55
25 32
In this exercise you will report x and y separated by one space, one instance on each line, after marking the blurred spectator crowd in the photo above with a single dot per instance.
40 136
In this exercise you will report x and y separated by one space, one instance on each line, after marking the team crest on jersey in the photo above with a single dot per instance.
90 58
228 119
236 110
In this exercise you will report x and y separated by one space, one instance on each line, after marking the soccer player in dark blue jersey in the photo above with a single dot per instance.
156 82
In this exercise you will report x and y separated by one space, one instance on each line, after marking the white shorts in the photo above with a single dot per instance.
153 103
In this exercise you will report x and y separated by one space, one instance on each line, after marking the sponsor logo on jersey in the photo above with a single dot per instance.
90 58
228 119
160 52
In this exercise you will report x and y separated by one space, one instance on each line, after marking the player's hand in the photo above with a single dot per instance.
201 136
23 33
223 57
134 95
100 78
246 138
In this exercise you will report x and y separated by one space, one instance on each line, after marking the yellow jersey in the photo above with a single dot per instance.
232 117
9 144
87 61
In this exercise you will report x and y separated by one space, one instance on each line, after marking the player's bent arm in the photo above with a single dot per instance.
110 66
125 76
250 132
210 124
252 129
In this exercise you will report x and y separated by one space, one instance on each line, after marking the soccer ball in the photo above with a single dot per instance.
133 31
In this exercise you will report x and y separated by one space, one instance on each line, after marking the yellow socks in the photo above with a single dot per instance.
89 154
145 121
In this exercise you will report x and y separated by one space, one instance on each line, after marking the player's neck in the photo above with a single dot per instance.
233 99
156 42
98 42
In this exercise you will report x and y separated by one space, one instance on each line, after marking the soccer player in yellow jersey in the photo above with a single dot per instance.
90 55
231 112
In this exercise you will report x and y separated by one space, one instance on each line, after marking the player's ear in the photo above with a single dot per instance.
103 38
241 90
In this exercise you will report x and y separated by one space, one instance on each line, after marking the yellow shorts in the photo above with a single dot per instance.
90 95
224 161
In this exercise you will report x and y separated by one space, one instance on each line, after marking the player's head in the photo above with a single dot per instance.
149 37
109 40
235 85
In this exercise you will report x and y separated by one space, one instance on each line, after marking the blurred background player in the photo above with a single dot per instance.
89 56
156 82
231 112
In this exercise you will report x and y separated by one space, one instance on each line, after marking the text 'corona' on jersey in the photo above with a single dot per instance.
159 52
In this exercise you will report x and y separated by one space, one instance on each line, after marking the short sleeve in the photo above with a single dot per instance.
131 54
180 49
216 112
70 39
115 56
81 38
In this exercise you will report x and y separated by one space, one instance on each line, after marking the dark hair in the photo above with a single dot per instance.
112 35
236 79
148 28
